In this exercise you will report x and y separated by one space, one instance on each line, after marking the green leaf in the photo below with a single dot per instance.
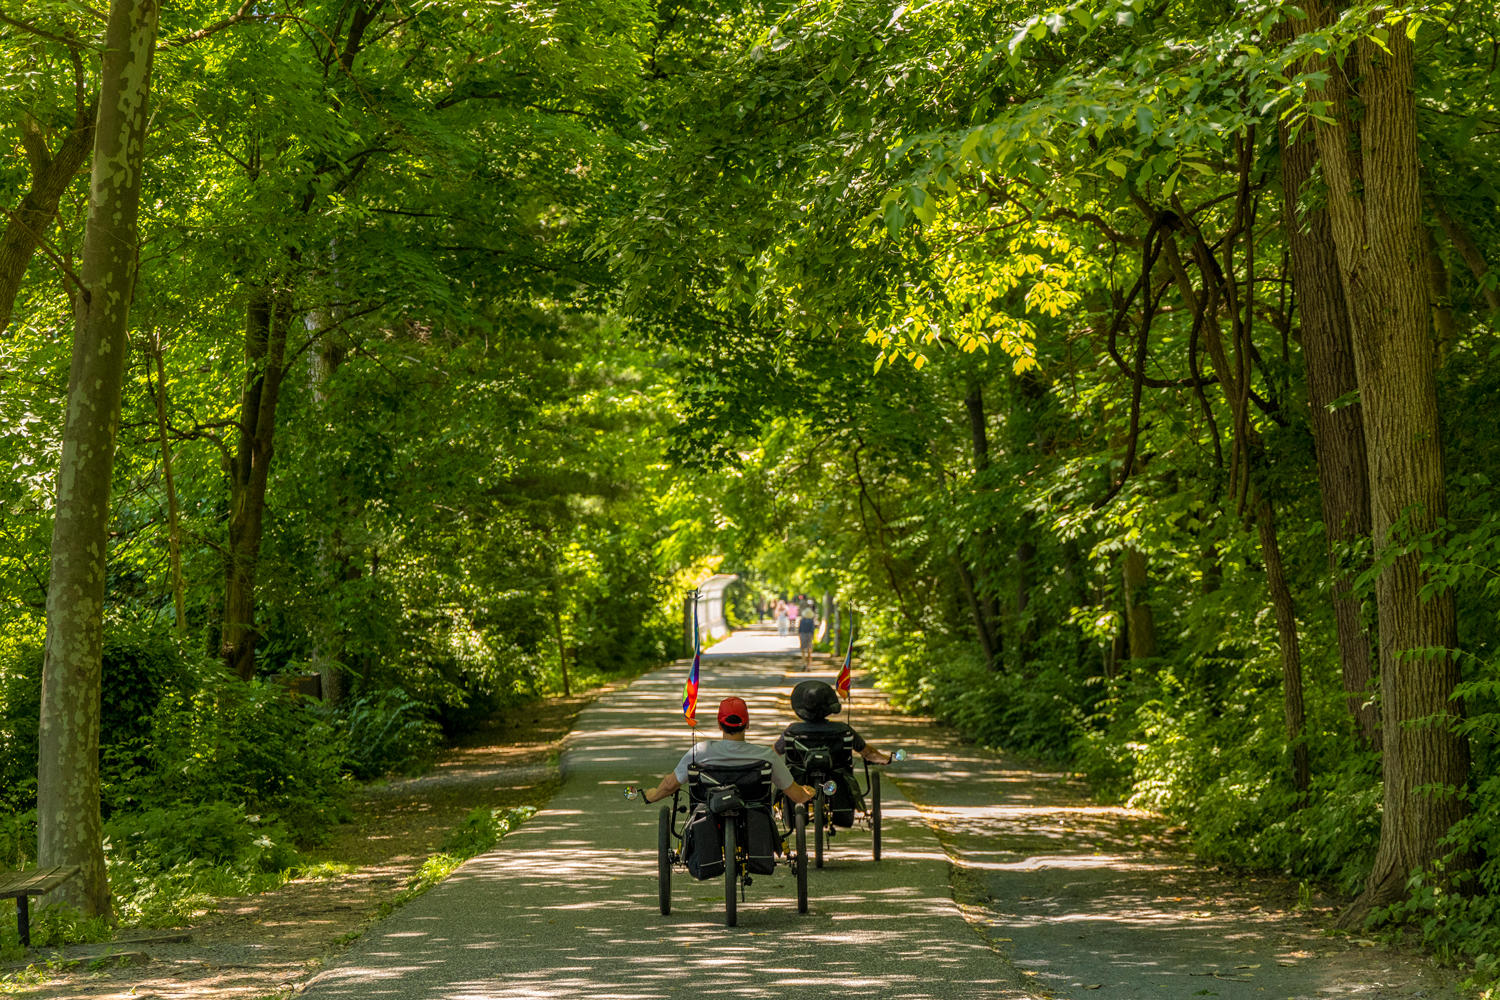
1171 184
895 218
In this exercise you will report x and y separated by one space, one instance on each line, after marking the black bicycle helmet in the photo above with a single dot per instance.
814 701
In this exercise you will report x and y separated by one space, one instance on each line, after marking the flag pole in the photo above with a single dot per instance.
690 690
843 686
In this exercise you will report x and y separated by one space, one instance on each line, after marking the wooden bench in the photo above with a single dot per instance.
34 882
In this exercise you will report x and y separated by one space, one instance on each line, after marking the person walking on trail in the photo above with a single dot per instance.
806 626
781 619
734 720
793 612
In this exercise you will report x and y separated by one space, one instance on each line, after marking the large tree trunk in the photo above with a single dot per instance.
1338 434
265 354
69 829
51 173
1374 205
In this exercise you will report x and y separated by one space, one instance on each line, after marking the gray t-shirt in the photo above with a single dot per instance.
733 752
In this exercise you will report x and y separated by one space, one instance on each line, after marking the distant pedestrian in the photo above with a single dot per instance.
806 626
781 618
793 612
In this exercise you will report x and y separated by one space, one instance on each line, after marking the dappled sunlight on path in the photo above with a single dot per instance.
566 907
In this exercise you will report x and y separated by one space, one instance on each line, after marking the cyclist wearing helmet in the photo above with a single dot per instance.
814 702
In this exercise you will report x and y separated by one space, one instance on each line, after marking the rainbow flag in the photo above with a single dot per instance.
690 689
842 684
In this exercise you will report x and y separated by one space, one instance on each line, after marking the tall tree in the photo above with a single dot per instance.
1367 146
69 830
1334 412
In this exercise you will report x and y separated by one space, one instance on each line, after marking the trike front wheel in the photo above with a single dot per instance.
664 860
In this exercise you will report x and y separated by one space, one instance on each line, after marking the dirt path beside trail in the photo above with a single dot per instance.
265 946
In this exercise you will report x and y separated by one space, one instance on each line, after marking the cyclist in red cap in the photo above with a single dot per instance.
734 719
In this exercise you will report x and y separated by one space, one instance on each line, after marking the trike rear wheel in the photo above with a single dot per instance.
731 872
801 862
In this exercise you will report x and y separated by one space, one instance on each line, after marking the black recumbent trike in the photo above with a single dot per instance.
826 761
729 829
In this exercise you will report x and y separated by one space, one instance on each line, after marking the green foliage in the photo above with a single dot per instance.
142 665
251 744
1036 716
388 732
214 832
17 838
482 829
20 708
51 927
166 864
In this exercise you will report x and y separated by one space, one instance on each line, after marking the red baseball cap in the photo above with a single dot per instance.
733 714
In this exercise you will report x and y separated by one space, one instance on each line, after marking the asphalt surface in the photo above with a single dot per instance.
566 906
1057 897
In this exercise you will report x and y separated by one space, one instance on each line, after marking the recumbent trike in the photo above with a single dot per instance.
729 829
826 761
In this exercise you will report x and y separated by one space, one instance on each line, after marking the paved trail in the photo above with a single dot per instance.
566 906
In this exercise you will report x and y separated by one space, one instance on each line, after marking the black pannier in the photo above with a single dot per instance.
703 844
761 842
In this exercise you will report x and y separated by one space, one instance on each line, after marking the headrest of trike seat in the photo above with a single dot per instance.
814 701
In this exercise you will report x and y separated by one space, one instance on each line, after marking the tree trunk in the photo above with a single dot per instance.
51 173
174 531
562 648
1338 434
336 568
69 828
1140 625
989 645
1459 237
1292 704
973 572
1233 378
249 472
1374 205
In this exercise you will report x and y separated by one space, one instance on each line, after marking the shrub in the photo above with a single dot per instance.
140 666
17 838
388 731
243 742
215 833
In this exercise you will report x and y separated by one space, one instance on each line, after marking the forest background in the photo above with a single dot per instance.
1124 363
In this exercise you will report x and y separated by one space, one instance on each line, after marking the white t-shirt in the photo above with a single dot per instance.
733 752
